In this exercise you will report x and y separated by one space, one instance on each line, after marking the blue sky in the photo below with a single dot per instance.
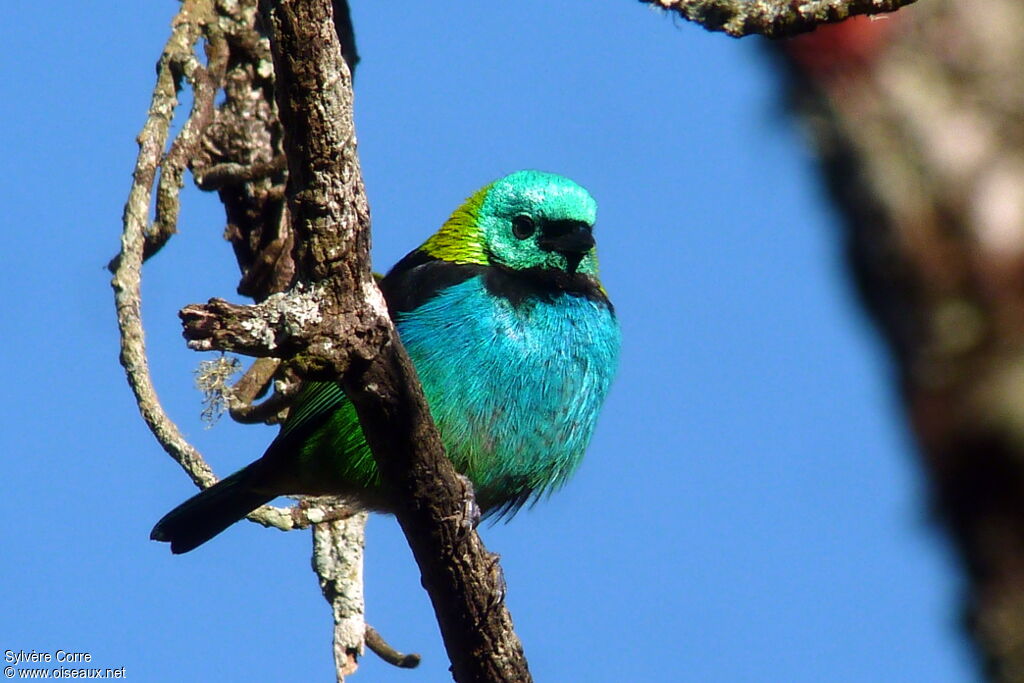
749 509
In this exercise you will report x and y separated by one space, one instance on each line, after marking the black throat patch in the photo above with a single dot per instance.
419 277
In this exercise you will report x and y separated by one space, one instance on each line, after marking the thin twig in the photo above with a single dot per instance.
256 381
380 647
228 173
127 266
242 404
338 562
205 82
302 515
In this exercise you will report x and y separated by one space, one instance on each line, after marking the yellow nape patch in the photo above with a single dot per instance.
461 238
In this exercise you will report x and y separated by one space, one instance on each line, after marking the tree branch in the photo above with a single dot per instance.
338 324
331 219
338 562
772 18
136 243
242 404
140 241
380 647
127 266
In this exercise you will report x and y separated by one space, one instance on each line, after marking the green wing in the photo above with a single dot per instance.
323 438
314 404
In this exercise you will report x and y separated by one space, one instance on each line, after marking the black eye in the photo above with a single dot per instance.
522 227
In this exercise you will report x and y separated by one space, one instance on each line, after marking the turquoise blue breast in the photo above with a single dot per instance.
515 388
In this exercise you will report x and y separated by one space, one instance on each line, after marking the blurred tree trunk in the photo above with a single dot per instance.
918 119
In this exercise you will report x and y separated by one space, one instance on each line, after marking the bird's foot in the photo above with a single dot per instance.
498 579
470 510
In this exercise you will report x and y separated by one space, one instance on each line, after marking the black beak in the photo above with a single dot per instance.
569 238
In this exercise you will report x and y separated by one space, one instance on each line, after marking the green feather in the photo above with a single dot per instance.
460 239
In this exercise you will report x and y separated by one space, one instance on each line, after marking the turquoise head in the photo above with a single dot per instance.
526 221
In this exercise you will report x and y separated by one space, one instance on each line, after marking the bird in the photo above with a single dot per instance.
515 342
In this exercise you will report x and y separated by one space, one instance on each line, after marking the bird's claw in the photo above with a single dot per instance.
470 510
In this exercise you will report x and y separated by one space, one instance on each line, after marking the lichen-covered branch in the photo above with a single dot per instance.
332 324
265 329
330 218
338 563
772 18
232 148
338 323
205 82
242 158
138 241
127 266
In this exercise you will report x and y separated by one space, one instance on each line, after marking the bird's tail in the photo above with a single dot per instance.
211 511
